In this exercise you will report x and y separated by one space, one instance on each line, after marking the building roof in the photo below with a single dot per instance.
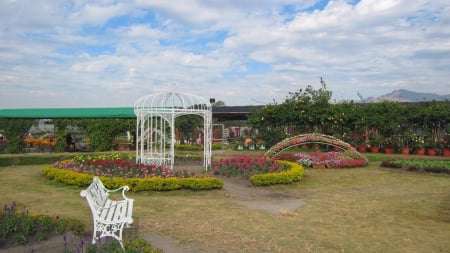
54 113
222 112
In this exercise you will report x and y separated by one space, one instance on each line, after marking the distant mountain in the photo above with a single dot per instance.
407 96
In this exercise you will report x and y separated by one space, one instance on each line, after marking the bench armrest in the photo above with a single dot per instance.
124 189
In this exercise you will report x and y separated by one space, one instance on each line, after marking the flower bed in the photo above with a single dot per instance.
259 170
436 166
326 159
246 166
117 165
118 170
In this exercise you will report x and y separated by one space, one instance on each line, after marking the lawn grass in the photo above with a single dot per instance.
370 209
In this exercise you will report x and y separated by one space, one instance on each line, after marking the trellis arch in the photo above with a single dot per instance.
312 138
155 126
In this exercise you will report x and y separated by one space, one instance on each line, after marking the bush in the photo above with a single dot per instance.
30 159
294 174
436 166
136 184
18 226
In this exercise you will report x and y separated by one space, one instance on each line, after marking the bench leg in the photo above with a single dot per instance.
108 230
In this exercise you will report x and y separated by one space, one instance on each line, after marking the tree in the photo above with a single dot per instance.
14 130
186 126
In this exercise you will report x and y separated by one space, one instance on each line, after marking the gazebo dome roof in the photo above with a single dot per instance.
171 100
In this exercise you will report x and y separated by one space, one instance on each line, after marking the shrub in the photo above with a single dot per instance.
294 174
136 184
436 166
19 226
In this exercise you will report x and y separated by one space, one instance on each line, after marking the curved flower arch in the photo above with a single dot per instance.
312 138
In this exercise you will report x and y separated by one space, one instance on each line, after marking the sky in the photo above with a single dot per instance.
109 53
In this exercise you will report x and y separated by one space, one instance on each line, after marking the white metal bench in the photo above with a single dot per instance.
109 216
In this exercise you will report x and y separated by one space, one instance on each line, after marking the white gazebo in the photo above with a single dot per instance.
155 127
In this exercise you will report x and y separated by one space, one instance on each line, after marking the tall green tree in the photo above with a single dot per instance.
14 130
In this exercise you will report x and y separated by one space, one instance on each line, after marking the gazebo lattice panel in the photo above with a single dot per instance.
155 127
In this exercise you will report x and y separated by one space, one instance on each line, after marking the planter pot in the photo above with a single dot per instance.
431 152
405 151
388 150
446 152
374 149
421 151
362 149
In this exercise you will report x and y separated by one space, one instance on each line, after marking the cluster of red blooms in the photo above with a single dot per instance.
245 166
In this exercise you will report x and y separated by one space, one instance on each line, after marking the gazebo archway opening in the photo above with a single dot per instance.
155 126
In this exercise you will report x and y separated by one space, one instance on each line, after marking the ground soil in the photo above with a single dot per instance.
240 190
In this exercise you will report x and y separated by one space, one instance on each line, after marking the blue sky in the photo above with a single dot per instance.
103 53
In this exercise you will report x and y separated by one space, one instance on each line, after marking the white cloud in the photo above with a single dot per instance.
110 52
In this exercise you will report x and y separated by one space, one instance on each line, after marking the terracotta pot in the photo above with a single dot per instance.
446 152
405 151
374 149
431 151
388 150
421 151
362 149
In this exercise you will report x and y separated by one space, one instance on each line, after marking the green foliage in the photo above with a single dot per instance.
18 226
14 130
30 159
186 147
136 245
437 166
187 124
310 111
101 132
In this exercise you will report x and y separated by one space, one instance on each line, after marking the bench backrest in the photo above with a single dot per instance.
96 194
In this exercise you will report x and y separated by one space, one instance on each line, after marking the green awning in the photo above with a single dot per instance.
54 113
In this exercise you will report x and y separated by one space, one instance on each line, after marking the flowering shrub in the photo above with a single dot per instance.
294 174
117 170
328 159
417 141
246 166
117 165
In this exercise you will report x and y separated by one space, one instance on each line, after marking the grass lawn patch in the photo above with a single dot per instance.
369 209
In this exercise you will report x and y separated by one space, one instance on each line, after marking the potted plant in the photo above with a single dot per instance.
430 145
407 143
388 145
361 143
418 143
375 141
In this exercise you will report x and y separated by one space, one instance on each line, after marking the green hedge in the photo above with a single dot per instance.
294 174
186 147
30 159
136 184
